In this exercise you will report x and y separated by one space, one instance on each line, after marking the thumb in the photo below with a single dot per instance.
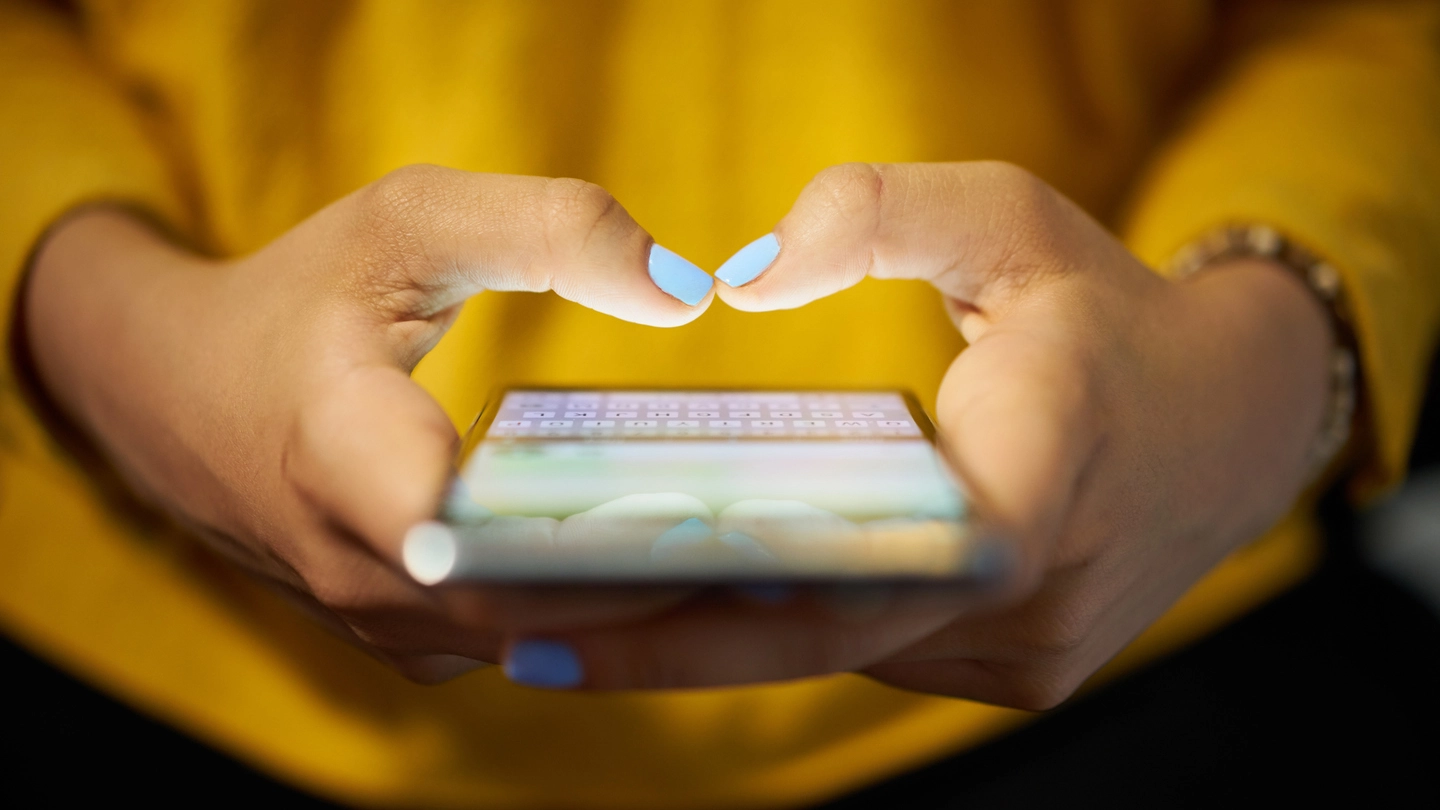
425 238
971 229
374 451
1015 420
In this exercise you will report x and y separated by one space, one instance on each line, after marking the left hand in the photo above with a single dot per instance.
1124 432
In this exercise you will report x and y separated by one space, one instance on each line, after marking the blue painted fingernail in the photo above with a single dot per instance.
545 664
678 277
750 261
686 533
992 560
747 546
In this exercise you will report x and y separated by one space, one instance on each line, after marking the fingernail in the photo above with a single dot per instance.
544 664
750 261
429 552
678 277
992 560
679 537
747 546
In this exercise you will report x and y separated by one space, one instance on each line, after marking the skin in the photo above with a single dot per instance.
1123 432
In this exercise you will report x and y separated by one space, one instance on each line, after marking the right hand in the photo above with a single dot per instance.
266 402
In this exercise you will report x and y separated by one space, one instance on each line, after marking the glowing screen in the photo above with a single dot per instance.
621 485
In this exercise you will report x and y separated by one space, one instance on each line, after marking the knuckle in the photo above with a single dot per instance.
303 462
1023 227
390 222
581 200
377 636
395 199
1059 636
347 588
850 189
1040 691
1028 205
379 627
578 210
430 670
1026 193
338 594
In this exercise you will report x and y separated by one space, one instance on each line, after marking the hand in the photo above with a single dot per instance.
266 402
1121 432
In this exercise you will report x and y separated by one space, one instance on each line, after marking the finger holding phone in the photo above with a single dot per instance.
265 402
1124 432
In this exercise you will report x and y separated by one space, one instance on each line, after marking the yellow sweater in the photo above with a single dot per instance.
234 120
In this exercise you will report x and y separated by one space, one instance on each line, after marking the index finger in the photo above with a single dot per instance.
721 642
964 227
433 236
1014 406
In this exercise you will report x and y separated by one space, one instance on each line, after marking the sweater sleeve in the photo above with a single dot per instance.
1324 122
68 137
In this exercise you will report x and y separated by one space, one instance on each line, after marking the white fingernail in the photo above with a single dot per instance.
430 552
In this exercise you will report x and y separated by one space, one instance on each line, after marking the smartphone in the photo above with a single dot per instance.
655 486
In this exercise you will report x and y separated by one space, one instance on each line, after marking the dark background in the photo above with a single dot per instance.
1331 692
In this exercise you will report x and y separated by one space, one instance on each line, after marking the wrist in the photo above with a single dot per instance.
1325 289
1282 339
1277 297
93 300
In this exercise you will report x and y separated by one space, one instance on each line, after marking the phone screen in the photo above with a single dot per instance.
664 485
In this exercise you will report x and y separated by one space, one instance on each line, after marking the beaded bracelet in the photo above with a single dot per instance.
1320 278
